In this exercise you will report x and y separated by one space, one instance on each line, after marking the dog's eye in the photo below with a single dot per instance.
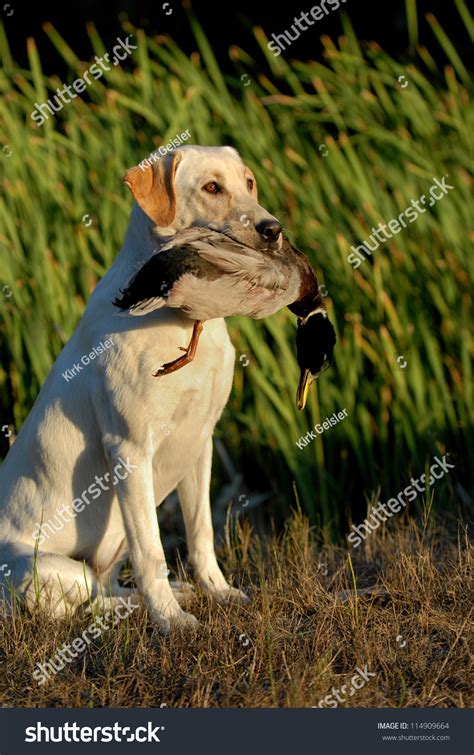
250 184
212 188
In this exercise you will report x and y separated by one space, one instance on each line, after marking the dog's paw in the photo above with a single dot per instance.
185 621
230 595
181 621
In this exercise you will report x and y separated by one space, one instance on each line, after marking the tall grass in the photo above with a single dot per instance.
336 148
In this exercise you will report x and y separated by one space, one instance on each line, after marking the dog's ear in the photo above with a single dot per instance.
153 187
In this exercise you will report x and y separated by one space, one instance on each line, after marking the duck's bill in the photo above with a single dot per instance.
306 379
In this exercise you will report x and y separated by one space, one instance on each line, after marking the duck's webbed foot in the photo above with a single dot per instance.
188 356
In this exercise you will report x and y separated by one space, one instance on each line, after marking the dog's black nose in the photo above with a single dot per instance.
269 229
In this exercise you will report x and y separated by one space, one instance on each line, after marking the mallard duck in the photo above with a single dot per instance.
207 274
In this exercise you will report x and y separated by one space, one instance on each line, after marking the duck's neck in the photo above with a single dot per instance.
309 304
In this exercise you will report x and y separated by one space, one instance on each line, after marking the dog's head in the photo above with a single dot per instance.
209 187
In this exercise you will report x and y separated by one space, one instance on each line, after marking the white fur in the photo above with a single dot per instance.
115 408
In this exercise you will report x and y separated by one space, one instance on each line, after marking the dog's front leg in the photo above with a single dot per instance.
193 493
137 504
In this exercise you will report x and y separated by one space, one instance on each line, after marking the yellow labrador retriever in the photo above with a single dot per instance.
105 442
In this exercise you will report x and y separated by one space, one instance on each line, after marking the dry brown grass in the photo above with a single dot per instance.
302 634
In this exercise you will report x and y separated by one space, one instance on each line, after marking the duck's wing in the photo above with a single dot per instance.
231 257
152 286
257 268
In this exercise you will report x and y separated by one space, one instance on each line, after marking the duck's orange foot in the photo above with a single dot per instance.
188 356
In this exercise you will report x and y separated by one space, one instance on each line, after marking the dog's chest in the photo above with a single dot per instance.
188 404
